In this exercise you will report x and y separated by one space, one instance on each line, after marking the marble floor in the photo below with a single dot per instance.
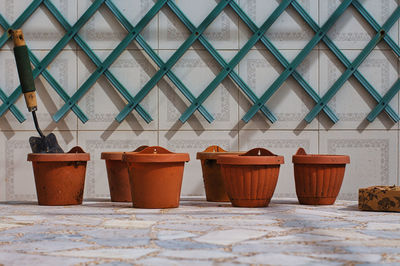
197 233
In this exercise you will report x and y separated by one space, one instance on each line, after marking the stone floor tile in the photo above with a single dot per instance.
383 226
197 233
46 246
108 253
262 247
196 254
170 235
171 262
228 237
184 245
351 258
18 259
128 224
282 259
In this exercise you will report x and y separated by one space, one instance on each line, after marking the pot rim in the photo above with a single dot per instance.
155 154
320 159
58 157
257 156
301 157
117 155
214 155
75 154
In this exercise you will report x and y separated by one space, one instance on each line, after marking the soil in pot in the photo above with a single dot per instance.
250 178
318 177
212 177
155 176
117 175
60 177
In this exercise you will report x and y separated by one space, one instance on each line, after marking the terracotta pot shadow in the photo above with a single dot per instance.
250 178
212 177
155 176
318 178
118 176
60 177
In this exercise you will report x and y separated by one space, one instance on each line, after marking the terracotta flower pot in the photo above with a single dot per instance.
318 178
155 176
117 175
60 177
250 178
212 177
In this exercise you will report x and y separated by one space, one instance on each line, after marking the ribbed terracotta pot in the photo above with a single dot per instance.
318 177
155 176
250 178
212 177
60 177
117 175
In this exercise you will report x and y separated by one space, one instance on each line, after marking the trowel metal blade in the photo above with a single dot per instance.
48 144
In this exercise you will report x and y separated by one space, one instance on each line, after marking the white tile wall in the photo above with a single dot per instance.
373 157
373 147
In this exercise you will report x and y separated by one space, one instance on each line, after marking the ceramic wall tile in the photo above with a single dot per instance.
380 69
63 70
290 103
289 31
193 142
102 103
103 30
41 30
283 143
352 31
19 180
373 158
197 69
222 33
96 142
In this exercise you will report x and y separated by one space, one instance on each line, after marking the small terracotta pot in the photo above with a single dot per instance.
212 177
155 176
117 175
318 178
250 178
60 177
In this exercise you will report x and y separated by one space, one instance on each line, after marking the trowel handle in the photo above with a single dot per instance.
24 69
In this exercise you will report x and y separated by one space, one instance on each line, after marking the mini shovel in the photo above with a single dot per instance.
42 144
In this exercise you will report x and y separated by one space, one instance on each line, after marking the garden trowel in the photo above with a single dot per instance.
42 144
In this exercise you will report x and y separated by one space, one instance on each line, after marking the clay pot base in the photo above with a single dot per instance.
213 182
118 181
250 178
60 177
318 177
117 175
156 177
317 201
212 177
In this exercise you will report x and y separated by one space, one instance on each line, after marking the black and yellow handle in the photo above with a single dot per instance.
24 69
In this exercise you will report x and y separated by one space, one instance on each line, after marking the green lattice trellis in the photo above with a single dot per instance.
71 102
